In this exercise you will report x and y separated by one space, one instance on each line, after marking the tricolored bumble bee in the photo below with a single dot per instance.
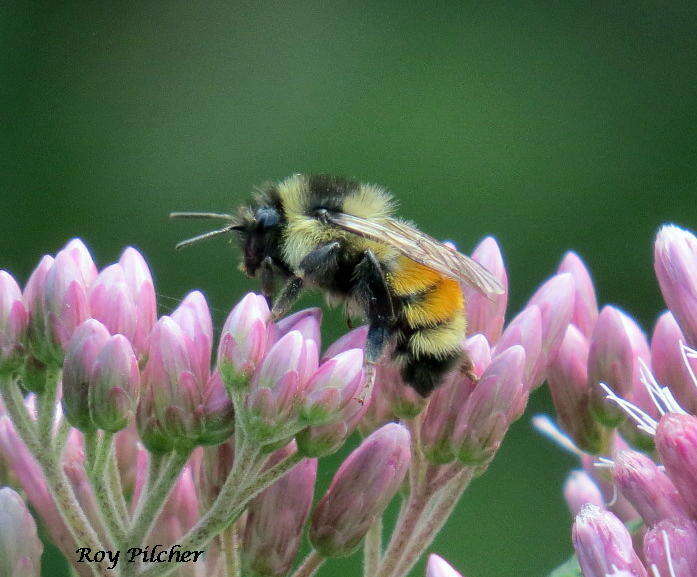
342 237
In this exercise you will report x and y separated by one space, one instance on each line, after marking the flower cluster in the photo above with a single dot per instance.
628 409
124 429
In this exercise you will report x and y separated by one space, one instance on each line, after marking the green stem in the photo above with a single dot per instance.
61 436
309 565
47 406
229 540
154 500
441 507
68 506
102 492
372 549
226 509
116 489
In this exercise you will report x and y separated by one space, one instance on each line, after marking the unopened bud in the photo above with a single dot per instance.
13 323
243 341
585 313
671 547
567 377
271 541
603 544
20 547
485 313
676 443
439 567
647 488
371 475
675 263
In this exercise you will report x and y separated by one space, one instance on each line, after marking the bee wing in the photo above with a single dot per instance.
421 248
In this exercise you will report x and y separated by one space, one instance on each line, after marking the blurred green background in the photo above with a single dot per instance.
551 125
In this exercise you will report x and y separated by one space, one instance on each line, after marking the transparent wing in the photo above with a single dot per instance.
421 248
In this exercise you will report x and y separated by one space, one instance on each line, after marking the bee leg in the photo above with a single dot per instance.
322 262
268 278
467 368
288 295
372 292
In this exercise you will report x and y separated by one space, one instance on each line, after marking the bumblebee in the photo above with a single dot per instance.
343 238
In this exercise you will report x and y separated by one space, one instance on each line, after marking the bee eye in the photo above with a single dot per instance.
267 218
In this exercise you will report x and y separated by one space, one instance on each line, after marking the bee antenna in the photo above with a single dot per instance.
205 236
202 215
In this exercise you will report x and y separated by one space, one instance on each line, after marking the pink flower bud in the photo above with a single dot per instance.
555 299
115 385
307 322
275 521
78 369
81 256
370 476
671 547
491 407
323 440
585 312
243 340
580 489
111 302
33 297
20 547
603 544
525 330
354 339
13 323
65 308
567 377
613 359
447 402
194 318
485 315
675 263
668 364
274 398
676 443
647 488
332 388
438 567
142 290
177 409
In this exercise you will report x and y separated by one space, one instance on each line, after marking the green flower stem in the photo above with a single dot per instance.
372 549
230 547
228 505
47 406
61 436
310 565
436 514
105 499
154 499
413 507
69 508
116 489
406 524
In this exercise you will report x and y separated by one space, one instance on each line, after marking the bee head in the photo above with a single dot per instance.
258 232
